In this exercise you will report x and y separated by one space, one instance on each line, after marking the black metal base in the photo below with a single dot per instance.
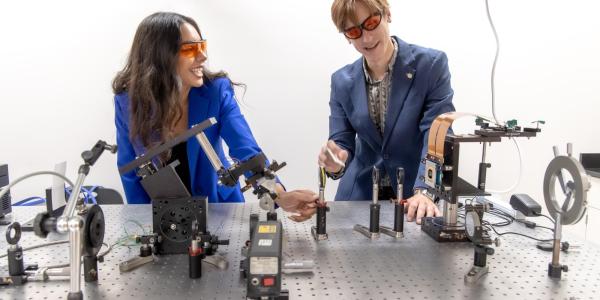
75 296
283 295
90 268
556 271
434 227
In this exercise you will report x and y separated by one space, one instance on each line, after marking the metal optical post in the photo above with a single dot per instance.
398 230
71 221
319 232
373 231
573 208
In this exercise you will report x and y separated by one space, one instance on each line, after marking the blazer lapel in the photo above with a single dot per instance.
402 79
361 113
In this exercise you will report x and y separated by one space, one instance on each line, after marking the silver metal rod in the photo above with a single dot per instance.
75 232
375 185
450 213
557 238
322 182
72 203
58 272
400 184
210 151
484 152
304 264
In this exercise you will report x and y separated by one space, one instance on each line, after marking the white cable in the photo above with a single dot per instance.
493 77
514 186
5 189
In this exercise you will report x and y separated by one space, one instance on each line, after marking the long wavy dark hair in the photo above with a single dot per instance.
150 77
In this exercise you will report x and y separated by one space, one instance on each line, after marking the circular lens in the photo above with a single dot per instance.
372 22
188 50
353 33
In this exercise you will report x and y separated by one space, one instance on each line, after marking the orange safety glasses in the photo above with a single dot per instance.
368 24
192 49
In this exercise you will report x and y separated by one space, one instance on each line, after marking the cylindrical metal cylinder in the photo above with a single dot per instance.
399 216
480 257
195 260
557 238
450 216
375 177
75 296
145 250
374 220
72 202
322 219
90 268
195 266
75 224
209 151
15 261
481 177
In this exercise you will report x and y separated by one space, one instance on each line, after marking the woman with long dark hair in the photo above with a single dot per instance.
162 91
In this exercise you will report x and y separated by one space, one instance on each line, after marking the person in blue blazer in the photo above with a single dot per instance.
382 107
162 91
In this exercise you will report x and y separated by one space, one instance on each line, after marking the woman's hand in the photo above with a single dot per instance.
301 202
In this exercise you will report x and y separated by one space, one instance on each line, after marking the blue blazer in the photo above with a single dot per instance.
420 91
213 99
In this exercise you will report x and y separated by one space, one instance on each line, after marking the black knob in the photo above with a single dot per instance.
40 224
87 155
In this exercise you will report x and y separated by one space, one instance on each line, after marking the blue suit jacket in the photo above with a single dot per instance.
213 99
420 92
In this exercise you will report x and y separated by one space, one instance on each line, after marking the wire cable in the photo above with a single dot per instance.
40 246
493 77
545 216
520 234
516 183
5 189
493 87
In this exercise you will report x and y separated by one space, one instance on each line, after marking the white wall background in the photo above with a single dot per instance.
58 58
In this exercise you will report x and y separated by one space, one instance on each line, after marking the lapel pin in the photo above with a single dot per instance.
409 75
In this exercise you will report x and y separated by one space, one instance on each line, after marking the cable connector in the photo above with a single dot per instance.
529 224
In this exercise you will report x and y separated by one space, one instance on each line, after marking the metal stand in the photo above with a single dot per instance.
16 265
319 232
71 222
398 231
479 267
442 170
572 209
480 238
373 231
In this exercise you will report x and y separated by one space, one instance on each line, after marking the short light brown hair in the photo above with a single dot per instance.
344 10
